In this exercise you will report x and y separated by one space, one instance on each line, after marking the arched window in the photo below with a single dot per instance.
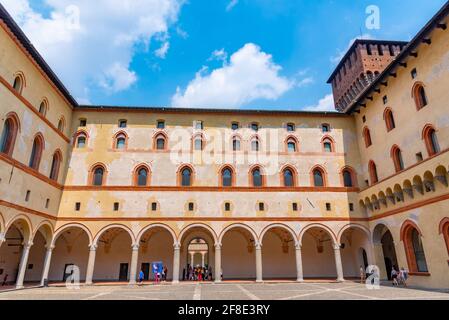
396 154
81 140
186 177
9 134
236 144
227 177
389 119
55 165
367 137
372 168
318 178
141 178
36 152
348 178
257 178
288 177
291 145
18 84
61 124
43 107
120 141
160 142
444 230
255 145
328 144
98 173
419 95
431 140
198 143
414 249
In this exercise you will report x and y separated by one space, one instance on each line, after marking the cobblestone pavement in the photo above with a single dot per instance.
227 291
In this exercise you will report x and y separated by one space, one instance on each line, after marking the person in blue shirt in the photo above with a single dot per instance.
141 276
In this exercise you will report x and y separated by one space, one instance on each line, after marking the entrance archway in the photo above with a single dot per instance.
113 256
71 248
318 255
385 250
355 246
238 253
36 260
279 254
156 245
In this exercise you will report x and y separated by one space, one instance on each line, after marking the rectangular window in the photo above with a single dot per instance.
116 206
325 128
122 124
261 206
290 127
419 157
191 206
391 50
328 207
295 206
385 99
154 206
227 207
368 49
414 73
78 206
199 125
235 126
255 127
27 197
161 124
47 203
83 122
380 50
351 207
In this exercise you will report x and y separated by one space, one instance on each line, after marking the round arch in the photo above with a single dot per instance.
235 226
281 226
319 226
2 224
28 225
114 226
200 226
69 226
156 225
49 231
353 226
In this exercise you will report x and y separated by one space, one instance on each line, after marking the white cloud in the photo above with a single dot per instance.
249 75
325 104
163 50
220 55
92 43
340 54
231 5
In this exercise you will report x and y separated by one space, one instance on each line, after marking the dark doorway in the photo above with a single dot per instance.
388 266
389 253
146 271
123 272
365 258
66 272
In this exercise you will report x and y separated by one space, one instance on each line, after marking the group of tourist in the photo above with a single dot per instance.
399 277
197 273
158 275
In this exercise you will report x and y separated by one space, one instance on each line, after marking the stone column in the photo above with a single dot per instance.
203 254
338 264
91 264
47 263
379 260
23 265
176 262
192 255
217 262
2 238
259 273
299 270
134 261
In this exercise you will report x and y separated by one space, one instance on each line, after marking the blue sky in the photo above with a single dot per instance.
264 54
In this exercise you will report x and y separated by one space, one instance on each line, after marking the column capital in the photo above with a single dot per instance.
135 247
336 246
28 245
2 237
258 245
176 246
218 246
298 246
50 247
93 247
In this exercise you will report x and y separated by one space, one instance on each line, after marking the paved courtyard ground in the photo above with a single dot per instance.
227 291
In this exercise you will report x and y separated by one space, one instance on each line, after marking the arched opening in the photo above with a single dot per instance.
414 249
385 250
9 134
444 231
156 246
348 177
142 176
318 177
292 145
278 254
318 254
227 177
389 119
238 254
198 142
328 144
257 177
255 145
36 259
186 177
98 174
55 165
419 95
160 142
236 144
398 161
367 137
80 140
431 140
16 237
43 107
197 242
36 152
355 243
372 168
121 140
18 84
288 177
113 256
61 124
71 250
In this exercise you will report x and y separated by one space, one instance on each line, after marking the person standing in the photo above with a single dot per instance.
165 273
362 275
404 276
394 276
141 277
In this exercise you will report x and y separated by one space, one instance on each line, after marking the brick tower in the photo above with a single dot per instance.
363 62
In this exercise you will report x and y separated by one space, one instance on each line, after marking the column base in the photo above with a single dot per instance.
132 283
88 283
175 282
341 280
300 280
259 281
19 287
